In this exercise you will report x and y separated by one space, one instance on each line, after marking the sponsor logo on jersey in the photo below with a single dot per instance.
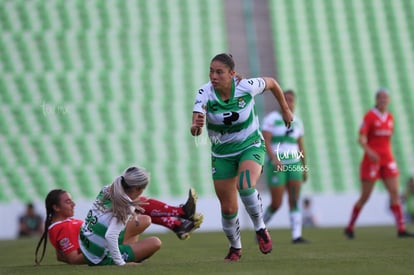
65 244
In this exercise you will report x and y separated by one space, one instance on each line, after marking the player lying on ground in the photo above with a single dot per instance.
63 228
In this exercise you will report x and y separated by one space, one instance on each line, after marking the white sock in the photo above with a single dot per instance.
231 228
296 224
253 205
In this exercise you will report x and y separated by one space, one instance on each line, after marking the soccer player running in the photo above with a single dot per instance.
237 145
286 165
378 162
63 229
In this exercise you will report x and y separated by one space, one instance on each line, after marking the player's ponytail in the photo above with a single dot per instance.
133 177
52 199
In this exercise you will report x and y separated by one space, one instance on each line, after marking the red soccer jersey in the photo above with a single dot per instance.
378 128
63 235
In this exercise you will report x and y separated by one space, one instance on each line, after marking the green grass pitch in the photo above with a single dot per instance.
375 250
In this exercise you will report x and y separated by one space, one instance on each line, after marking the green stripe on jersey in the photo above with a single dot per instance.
99 229
234 103
92 247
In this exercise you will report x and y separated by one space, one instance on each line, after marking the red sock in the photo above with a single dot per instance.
355 213
156 208
399 217
169 222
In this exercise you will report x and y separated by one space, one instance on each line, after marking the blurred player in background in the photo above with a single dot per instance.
286 166
237 145
63 229
30 223
378 162
309 217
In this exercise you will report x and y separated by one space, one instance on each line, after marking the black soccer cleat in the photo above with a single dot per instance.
405 234
184 230
300 240
349 233
189 207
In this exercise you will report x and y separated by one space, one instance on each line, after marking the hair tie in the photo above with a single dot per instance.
123 182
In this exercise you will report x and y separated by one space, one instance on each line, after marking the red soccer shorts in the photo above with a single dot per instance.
372 171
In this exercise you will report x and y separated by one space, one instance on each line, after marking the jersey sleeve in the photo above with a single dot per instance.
200 104
65 238
365 125
254 86
112 234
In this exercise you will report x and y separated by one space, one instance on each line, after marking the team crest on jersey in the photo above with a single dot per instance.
241 102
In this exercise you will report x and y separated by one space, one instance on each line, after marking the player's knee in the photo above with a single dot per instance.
144 220
156 243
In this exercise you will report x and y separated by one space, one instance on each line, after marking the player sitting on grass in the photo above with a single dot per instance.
63 228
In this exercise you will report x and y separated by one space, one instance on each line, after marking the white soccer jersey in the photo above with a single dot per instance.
284 140
233 126
92 234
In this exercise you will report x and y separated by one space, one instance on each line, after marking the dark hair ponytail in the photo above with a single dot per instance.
52 199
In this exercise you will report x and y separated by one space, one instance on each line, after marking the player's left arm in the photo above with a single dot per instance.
272 85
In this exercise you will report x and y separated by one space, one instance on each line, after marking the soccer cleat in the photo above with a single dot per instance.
300 240
405 234
189 207
264 240
184 230
349 233
234 255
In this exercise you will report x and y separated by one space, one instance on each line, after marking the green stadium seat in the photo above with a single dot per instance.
84 183
6 56
5 23
43 88
64 88
39 182
18 184
63 151
43 9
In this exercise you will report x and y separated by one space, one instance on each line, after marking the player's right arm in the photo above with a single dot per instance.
198 123
199 111
363 139
74 257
